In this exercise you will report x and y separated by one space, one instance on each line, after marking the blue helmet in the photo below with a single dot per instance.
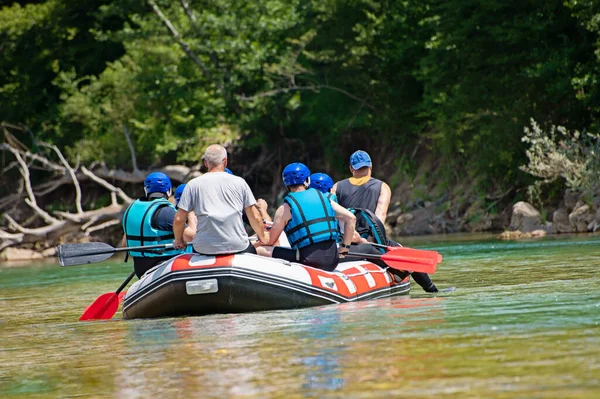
227 170
178 192
321 181
157 182
295 173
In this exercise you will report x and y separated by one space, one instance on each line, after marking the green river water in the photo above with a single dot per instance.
523 322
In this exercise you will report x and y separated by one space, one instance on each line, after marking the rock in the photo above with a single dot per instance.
513 235
560 222
538 233
571 198
595 224
13 254
525 218
393 213
404 218
417 222
581 217
516 235
50 252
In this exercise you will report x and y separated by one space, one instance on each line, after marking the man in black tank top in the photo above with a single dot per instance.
363 191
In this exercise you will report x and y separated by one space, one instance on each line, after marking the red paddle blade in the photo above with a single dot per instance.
415 260
103 308
121 295
421 254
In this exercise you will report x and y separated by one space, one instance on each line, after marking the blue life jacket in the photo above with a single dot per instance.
137 225
313 218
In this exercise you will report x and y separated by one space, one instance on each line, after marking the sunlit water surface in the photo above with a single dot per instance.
524 321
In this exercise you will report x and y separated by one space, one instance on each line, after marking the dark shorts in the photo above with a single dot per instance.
142 265
249 250
322 255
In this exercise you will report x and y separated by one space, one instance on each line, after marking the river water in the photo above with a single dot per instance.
523 322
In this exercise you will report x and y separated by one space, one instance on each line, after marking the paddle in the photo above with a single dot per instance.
398 260
433 256
94 252
106 305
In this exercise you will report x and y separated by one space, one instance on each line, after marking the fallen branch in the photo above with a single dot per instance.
107 185
71 173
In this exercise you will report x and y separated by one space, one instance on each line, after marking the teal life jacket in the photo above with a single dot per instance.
137 225
332 197
313 218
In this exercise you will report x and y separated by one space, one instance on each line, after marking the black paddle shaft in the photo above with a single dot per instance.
113 250
125 283
366 256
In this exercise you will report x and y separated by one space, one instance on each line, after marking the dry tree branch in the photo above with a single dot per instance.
107 185
71 173
31 197
131 149
101 226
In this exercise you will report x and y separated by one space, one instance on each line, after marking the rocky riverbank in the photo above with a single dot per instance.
574 214
419 210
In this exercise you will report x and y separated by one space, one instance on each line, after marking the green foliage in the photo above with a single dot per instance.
558 153
303 80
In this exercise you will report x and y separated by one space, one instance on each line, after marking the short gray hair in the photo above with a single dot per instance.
214 155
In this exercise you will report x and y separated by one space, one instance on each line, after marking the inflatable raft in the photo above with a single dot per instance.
193 284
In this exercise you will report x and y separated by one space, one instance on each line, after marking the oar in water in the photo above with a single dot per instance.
94 252
398 258
106 305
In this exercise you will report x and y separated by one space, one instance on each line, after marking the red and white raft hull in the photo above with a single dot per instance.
194 284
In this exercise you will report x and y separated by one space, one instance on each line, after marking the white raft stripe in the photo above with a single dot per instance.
272 266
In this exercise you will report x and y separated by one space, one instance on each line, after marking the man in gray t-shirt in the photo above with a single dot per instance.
218 200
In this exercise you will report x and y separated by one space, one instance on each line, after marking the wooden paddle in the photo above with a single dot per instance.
106 305
405 259
94 252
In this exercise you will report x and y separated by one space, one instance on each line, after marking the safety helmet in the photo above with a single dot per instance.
157 182
296 173
321 181
178 192
227 170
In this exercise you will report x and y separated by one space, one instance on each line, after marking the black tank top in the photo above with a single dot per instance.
364 196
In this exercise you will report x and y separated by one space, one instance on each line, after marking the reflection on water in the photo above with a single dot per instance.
523 322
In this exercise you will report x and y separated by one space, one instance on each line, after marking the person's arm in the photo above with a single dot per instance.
334 188
179 227
282 216
383 203
192 225
257 223
124 241
349 220
262 207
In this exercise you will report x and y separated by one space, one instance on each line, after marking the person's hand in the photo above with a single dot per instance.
179 244
262 204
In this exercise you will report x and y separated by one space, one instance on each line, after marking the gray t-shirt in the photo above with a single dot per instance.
218 199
